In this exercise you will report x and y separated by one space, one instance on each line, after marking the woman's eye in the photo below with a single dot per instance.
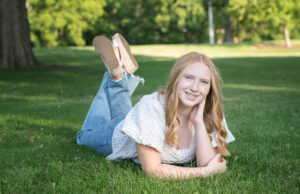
188 77
205 82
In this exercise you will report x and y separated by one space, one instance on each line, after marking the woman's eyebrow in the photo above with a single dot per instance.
189 74
203 79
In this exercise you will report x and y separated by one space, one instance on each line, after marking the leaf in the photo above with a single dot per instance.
31 139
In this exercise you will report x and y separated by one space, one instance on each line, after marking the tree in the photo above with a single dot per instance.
157 21
228 29
182 21
221 20
134 19
264 20
15 47
211 23
284 16
64 22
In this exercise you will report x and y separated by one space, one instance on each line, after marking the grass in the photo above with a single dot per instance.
42 110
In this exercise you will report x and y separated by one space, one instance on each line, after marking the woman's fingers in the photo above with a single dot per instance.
193 113
199 109
202 105
222 159
217 164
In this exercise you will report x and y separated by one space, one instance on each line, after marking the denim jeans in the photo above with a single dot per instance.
109 107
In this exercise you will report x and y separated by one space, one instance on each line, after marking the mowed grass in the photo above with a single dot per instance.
42 110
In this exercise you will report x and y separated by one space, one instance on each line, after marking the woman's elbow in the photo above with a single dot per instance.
201 163
153 171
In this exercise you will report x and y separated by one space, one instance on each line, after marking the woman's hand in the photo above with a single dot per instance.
216 165
196 116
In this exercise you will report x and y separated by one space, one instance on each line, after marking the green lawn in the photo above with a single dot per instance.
42 110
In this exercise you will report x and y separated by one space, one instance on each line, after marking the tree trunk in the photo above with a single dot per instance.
228 29
15 47
211 23
286 35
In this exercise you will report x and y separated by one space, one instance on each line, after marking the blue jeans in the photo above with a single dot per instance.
110 106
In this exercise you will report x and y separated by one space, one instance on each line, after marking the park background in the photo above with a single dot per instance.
73 22
43 100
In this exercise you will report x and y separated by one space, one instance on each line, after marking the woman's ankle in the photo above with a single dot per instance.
116 78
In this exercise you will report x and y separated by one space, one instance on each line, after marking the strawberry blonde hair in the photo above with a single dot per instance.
213 110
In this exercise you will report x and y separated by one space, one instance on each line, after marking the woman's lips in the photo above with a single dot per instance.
190 96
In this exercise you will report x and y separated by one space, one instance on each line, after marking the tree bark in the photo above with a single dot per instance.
286 35
15 46
228 29
211 23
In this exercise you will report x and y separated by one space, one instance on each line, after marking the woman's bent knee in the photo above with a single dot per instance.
86 138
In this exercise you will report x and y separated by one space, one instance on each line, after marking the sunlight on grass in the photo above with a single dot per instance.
166 52
174 51
35 98
261 88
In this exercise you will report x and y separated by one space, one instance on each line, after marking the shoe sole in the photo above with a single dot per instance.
103 47
127 58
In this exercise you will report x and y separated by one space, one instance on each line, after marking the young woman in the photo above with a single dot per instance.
181 124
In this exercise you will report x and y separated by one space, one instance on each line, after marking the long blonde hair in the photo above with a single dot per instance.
213 111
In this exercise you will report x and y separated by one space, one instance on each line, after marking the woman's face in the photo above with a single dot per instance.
194 85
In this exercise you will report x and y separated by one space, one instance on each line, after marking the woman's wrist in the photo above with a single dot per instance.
205 171
199 125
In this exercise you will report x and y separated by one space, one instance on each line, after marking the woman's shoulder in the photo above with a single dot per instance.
153 96
155 99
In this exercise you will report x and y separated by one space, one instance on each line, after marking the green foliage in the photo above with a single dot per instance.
76 22
134 19
62 22
157 21
59 23
257 20
182 21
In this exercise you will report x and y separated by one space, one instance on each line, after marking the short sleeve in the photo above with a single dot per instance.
145 123
229 138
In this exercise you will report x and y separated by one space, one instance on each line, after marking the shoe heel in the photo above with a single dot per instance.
127 58
103 47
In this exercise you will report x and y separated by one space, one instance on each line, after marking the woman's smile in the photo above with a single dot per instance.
191 97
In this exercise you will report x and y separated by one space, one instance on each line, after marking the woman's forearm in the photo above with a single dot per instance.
204 149
150 160
167 171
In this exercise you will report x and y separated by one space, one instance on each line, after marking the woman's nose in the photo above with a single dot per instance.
194 86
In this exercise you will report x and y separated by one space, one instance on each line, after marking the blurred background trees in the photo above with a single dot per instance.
264 20
76 22
63 22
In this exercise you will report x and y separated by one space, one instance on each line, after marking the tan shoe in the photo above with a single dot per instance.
126 56
103 47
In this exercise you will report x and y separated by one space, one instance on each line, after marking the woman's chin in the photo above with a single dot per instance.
191 104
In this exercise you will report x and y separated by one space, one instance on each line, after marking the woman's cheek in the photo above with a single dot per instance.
207 91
